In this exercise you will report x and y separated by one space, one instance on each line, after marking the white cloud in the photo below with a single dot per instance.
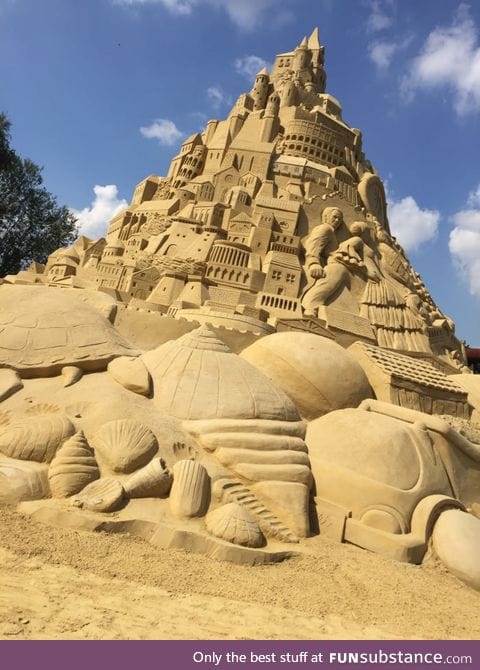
410 224
182 7
217 97
250 66
449 58
164 130
474 197
93 221
245 14
382 52
379 18
464 243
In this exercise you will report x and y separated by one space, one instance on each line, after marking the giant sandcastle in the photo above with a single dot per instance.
247 363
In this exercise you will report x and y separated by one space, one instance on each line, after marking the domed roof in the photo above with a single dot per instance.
198 377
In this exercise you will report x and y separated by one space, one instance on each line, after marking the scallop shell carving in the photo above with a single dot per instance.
190 494
233 523
125 445
73 467
36 439
152 481
102 495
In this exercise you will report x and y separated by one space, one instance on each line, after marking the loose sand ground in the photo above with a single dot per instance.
65 584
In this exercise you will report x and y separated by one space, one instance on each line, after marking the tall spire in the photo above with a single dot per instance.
314 40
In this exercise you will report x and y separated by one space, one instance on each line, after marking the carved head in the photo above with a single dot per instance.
362 230
358 228
332 216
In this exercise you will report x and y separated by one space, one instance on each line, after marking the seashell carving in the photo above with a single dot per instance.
152 481
73 467
102 495
233 490
233 523
125 445
190 494
36 439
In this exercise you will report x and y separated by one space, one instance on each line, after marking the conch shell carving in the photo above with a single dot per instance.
73 467
152 481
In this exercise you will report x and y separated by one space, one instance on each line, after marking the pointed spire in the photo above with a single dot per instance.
264 71
314 40
304 43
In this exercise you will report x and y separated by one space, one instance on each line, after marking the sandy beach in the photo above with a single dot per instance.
68 584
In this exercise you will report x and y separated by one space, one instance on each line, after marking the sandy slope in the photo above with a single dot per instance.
65 584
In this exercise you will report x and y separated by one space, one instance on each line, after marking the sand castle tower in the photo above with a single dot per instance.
286 176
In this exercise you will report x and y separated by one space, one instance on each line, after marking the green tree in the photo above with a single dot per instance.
32 224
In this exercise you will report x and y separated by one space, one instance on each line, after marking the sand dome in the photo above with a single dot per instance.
315 372
198 377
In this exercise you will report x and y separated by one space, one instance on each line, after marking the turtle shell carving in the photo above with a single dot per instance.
42 330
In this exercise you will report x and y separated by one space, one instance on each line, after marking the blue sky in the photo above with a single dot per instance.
101 93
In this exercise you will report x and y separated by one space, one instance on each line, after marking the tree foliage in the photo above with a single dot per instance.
32 224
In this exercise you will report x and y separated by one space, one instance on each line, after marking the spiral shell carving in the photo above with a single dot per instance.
233 523
125 445
190 494
73 467
36 439
152 481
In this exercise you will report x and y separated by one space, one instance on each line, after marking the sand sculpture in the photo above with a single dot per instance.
247 360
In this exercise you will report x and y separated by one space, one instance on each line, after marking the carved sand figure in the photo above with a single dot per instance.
241 422
328 262
45 332
384 303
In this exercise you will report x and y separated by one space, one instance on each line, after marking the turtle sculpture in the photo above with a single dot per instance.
45 332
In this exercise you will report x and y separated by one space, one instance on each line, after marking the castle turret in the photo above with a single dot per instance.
289 94
300 61
270 122
259 91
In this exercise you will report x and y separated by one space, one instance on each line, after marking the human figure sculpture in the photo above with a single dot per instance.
319 246
384 302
